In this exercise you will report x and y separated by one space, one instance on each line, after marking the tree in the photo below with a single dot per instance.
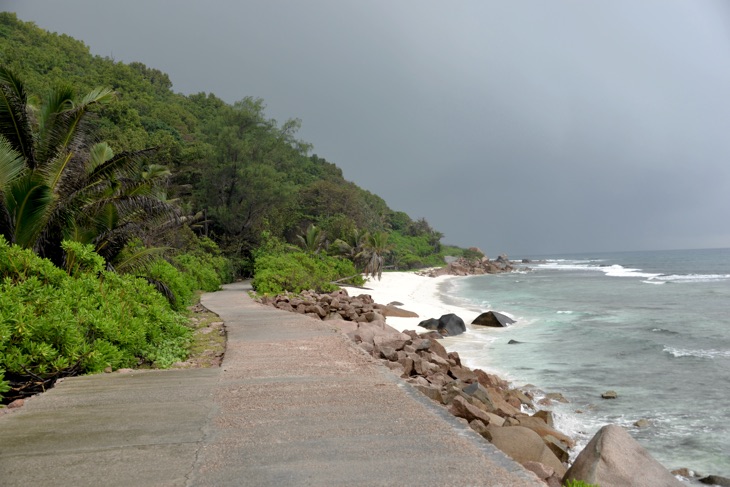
352 247
374 252
312 241
55 184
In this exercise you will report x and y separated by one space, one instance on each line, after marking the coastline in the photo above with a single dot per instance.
414 292
424 295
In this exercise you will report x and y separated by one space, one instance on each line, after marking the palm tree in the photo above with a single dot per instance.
55 184
352 247
312 241
374 252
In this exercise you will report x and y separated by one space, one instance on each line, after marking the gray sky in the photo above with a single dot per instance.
522 127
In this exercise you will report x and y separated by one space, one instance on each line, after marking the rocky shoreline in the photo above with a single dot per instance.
510 418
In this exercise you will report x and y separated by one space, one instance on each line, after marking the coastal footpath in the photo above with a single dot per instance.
295 402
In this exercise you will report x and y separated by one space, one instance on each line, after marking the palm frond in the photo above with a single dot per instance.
11 163
139 260
29 202
14 122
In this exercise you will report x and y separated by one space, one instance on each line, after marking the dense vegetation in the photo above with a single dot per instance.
235 173
116 193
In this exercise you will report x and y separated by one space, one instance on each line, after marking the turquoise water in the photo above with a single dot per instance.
653 326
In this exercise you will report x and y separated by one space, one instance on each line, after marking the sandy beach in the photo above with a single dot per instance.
415 293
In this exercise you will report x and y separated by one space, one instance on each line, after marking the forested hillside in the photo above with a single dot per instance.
119 199
236 175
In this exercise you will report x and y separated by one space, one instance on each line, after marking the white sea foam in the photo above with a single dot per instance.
692 278
701 353
609 270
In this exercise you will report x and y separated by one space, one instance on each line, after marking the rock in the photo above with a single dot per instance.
493 319
439 350
18 403
556 396
613 459
542 471
716 480
429 324
433 393
395 341
559 448
461 408
541 428
609 395
685 472
431 335
513 342
451 325
520 397
642 423
389 353
490 380
478 426
546 416
463 374
395 367
396 312
524 445
491 398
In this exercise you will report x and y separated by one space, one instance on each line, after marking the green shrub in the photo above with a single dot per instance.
577 483
172 283
200 270
54 324
297 271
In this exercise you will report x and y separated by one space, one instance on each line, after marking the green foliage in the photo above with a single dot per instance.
200 269
54 324
81 258
244 171
172 283
312 241
578 483
297 271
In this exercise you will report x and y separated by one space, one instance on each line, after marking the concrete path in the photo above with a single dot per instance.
295 403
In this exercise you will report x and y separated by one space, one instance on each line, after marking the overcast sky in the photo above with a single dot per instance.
522 127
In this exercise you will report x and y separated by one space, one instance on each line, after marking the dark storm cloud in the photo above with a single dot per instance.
520 127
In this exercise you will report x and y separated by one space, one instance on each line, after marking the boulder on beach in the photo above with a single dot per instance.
429 324
614 459
451 325
493 319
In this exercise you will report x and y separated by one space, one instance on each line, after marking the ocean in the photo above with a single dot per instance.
652 326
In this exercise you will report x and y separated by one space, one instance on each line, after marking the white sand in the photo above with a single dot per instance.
417 293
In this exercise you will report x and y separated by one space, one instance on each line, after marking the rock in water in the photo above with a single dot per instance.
614 459
609 395
451 325
716 480
493 319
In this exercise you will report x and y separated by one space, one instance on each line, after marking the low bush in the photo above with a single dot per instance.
297 271
54 323
171 283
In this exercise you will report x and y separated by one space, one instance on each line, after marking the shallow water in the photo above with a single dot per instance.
653 326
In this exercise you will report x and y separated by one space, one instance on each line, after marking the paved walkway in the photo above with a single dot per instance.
294 403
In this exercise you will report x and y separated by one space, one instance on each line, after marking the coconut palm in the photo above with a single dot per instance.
312 241
352 246
374 252
55 184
